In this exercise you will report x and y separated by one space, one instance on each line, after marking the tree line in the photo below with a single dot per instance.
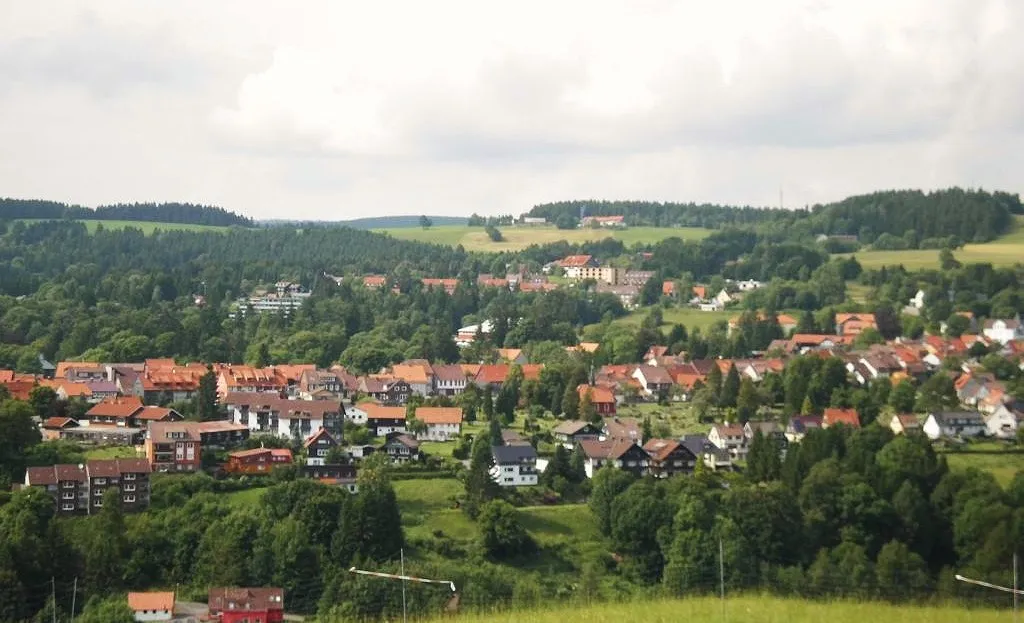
172 212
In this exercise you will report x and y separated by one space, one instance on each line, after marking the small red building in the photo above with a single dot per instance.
601 397
246 605
258 460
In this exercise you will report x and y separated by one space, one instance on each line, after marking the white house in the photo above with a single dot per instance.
449 379
654 380
904 424
442 423
723 298
297 419
355 415
748 285
514 466
318 446
1003 331
729 437
152 606
954 424
1002 423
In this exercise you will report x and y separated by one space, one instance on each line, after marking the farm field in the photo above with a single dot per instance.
743 609
1004 251
147 227
516 238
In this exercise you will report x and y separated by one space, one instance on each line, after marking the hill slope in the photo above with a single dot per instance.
520 237
751 609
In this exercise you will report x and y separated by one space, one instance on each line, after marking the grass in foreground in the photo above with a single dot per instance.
747 609
516 238
147 227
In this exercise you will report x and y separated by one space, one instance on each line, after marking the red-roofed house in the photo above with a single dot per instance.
854 324
442 423
152 606
836 417
117 411
246 605
258 460
601 397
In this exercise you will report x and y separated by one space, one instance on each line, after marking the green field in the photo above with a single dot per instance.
147 227
1000 460
744 609
1004 251
516 238
112 452
689 317
246 497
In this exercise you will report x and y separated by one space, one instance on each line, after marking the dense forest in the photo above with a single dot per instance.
152 212
968 215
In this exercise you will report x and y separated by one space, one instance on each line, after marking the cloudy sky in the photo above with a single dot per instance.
335 109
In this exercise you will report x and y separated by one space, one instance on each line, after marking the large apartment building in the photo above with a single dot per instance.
79 489
178 446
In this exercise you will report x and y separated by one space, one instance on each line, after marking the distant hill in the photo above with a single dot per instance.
187 213
396 222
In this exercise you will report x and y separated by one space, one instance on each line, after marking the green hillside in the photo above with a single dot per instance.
147 227
1005 250
516 238
748 609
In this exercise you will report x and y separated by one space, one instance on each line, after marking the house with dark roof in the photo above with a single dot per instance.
401 448
669 457
449 379
954 424
570 432
621 454
799 425
514 466
714 458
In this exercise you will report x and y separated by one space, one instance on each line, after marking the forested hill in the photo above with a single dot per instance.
150 212
48 249
970 215
658 214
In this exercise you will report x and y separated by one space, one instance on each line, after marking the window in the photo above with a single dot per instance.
129 498
179 452
129 476
129 487
190 453
100 481
67 507
68 496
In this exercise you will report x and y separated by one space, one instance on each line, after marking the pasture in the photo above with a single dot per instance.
519 237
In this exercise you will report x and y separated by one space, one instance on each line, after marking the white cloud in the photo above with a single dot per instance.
342 109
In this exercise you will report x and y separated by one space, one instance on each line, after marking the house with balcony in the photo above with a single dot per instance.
80 489
257 460
620 453
514 465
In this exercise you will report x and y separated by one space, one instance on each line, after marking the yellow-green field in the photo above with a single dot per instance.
113 452
516 238
147 227
687 316
745 609
1004 251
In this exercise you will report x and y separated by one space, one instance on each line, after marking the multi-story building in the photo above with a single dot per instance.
80 489
258 460
246 605
295 419
514 466
177 446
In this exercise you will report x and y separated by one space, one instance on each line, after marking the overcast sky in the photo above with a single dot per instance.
337 109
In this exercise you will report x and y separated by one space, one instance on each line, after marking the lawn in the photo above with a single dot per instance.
147 227
1001 461
112 452
1004 251
517 238
689 317
742 609
247 497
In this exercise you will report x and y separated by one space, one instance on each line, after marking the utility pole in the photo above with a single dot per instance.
74 596
405 613
721 576
53 597
1015 592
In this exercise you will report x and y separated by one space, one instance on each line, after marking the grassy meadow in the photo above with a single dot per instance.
690 317
113 452
147 227
999 459
520 237
743 609
1004 251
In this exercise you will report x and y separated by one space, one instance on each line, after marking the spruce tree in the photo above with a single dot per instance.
730 388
